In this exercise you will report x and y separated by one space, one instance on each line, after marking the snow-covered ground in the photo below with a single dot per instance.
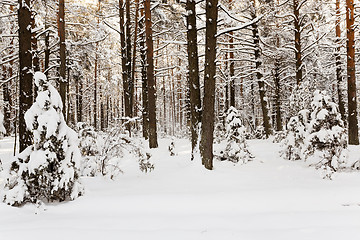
268 198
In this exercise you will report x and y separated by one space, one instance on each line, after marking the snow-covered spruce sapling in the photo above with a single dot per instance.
89 146
293 144
172 148
236 149
326 144
49 169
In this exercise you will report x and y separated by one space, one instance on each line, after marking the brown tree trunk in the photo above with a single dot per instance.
144 87
150 77
25 64
194 83
339 76
298 57
130 91
7 101
61 33
78 89
207 126
277 96
232 66
352 116
259 76
34 47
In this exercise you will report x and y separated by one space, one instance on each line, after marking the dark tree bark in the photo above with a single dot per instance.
124 62
259 76
207 126
150 77
352 116
232 66
339 76
277 95
144 86
194 84
7 101
298 53
78 89
25 64
34 47
130 90
61 33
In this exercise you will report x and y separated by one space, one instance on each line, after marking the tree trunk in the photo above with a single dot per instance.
25 64
352 116
207 127
259 76
298 57
232 66
150 77
61 33
194 83
277 95
339 76
144 87
7 101
130 91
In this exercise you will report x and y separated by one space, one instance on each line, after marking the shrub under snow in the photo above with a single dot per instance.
325 146
236 149
296 133
49 169
319 136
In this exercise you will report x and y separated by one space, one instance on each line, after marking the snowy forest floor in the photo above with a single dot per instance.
267 198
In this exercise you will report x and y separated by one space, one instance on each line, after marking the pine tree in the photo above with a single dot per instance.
236 149
48 170
293 144
327 140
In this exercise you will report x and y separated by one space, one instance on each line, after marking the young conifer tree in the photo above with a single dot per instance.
47 170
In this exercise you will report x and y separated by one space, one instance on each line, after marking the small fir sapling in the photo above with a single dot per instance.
326 144
172 148
48 170
293 144
89 146
236 149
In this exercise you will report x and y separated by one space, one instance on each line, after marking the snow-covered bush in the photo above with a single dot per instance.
317 136
89 145
109 150
293 144
49 169
279 136
219 132
171 148
236 149
326 144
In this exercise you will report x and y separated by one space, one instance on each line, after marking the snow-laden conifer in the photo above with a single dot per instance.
293 144
48 170
325 146
236 149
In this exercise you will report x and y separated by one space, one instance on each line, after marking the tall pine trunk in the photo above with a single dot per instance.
207 126
25 64
338 63
194 84
352 116
298 57
144 87
61 33
259 76
150 77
